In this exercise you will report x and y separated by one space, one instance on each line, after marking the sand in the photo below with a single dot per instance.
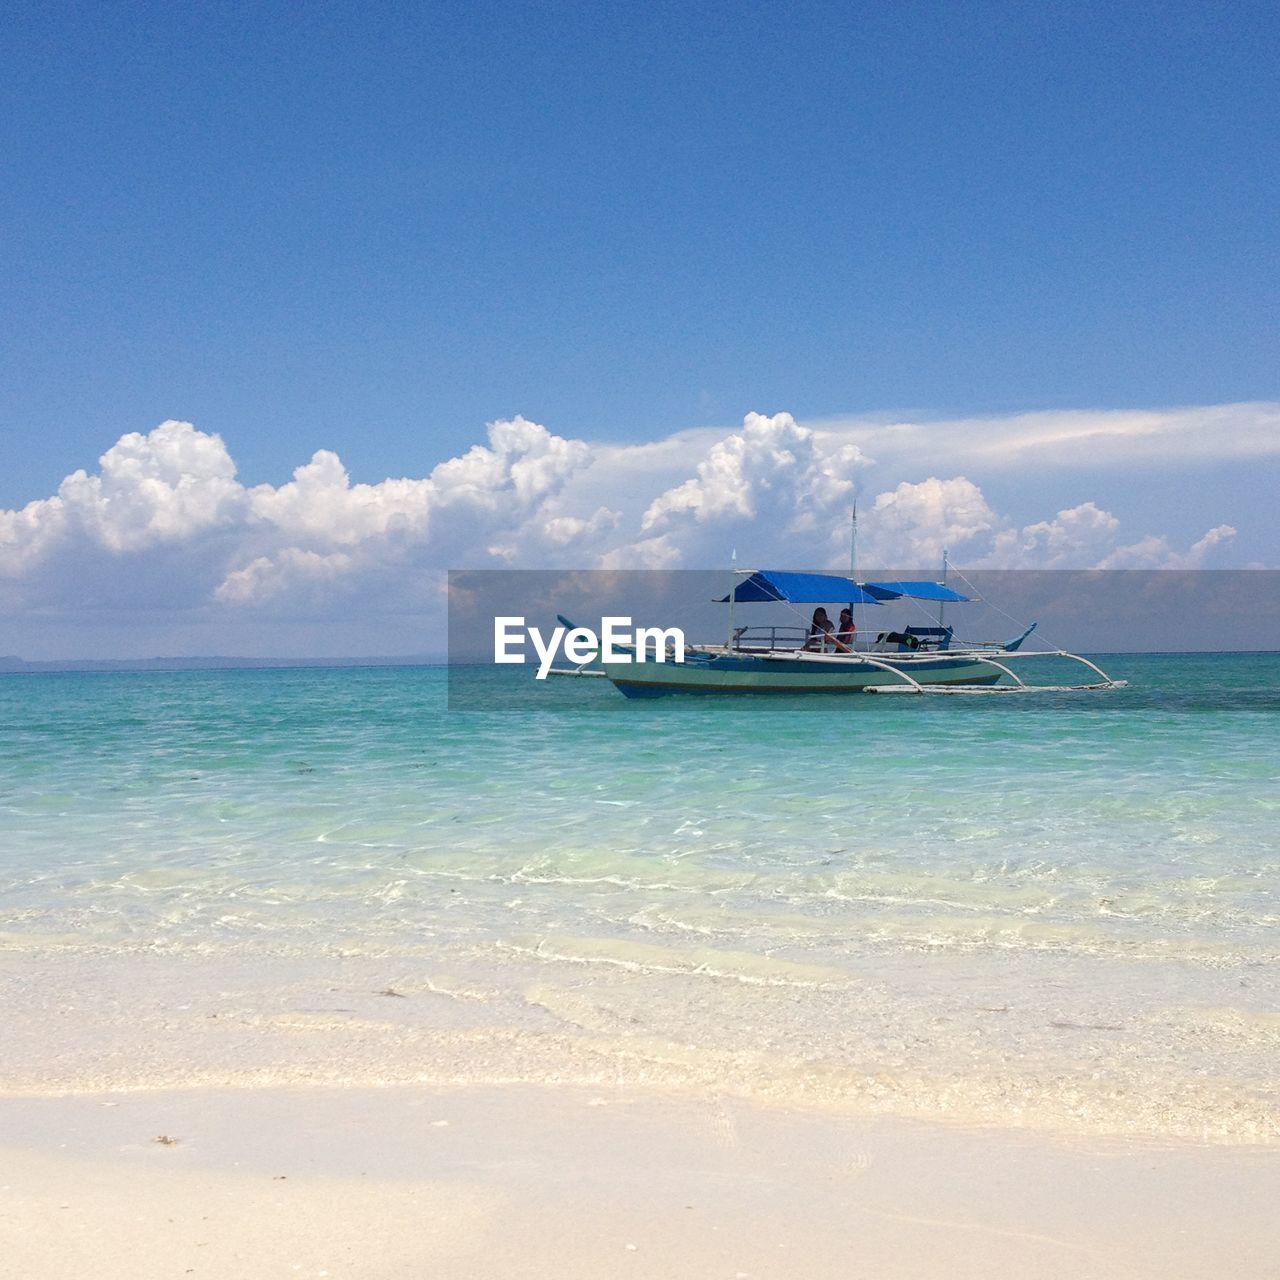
410 1182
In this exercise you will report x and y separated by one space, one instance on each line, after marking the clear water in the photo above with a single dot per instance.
1058 910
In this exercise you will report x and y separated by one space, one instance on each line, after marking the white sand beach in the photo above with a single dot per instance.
505 996
575 1184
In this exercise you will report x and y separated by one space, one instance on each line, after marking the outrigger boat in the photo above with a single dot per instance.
796 659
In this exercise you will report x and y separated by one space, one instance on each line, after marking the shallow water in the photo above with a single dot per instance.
1062 905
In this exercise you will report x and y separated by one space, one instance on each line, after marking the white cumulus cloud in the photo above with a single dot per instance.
164 524
266 577
320 504
773 471
1075 537
1154 552
915 523
167 486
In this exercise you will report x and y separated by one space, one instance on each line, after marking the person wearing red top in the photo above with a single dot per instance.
846 631
823 635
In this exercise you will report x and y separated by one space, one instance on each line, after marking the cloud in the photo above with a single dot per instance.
648 553
176 485
523 465
168 486
566 531
320 505
1087 536
1154 552
928 518
164 524
1076 439
491 504
773 471
1075 537
267 577
27 536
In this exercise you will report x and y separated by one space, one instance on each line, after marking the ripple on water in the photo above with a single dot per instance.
662 856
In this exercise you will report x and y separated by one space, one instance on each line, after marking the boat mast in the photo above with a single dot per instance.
733 586
942 604
853 548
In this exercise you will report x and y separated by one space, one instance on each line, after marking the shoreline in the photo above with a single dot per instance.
986 1049
568 1182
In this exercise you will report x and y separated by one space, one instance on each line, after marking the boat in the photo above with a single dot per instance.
808 659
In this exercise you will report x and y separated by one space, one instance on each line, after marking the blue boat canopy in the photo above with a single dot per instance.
915 591
822 588
798 588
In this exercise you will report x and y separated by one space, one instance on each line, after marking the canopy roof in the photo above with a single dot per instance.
824 588
798 588
915 591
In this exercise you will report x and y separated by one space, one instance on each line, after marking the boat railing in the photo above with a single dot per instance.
767 639
771 639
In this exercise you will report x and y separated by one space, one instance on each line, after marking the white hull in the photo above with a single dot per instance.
712 671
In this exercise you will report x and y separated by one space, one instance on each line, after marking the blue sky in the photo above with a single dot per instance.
376 229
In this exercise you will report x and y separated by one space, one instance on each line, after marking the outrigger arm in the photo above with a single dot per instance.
1019 685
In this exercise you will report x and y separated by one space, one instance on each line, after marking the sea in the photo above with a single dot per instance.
1057 911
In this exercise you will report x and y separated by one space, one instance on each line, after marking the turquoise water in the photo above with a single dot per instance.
1008 902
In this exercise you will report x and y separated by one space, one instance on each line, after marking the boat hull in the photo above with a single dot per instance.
789 674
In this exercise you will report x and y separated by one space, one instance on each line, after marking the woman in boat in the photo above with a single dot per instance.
846 630
822 635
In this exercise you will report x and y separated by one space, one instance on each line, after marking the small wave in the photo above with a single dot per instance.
737 966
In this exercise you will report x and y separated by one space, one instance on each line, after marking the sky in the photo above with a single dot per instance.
301 306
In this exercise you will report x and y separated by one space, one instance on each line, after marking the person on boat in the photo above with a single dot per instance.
900 638
845 631
822 635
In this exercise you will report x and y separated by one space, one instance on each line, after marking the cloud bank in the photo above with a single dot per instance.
164 523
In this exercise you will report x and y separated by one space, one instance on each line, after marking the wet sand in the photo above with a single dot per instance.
570 1183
